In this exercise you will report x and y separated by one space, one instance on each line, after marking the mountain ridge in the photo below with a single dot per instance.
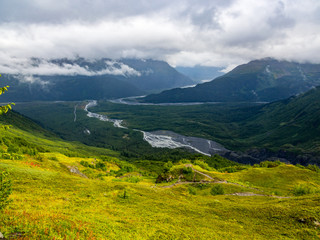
264 80
81 79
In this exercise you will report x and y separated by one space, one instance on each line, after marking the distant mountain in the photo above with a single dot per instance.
66 88
200 73
263 80
80 79
155 75
145 74
288 129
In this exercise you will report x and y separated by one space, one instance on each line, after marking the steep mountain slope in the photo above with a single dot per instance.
291 123
155 75
67 88
26 136
260 80
80 79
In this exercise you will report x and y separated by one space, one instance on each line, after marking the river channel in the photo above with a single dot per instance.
164 138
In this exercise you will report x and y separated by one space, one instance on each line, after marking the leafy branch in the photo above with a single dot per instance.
5 108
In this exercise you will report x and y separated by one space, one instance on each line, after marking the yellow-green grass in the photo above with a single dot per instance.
56 144
49 202
280 180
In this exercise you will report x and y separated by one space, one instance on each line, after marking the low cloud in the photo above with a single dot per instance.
43 67
30 79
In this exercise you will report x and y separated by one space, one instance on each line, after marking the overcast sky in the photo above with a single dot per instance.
220 33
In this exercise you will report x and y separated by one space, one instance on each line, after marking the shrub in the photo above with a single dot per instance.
314 168
165 177
187 170
233 169
300 166
300 190
134 179
270 164
124 194
217 189
5 189
188 174
192 190
101 166
84 163
54 158
184 161
167 166
202 164
201 186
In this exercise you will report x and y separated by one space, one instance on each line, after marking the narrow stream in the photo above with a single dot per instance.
166 139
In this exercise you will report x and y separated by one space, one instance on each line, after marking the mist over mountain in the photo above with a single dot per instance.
79 79
199 73
263 80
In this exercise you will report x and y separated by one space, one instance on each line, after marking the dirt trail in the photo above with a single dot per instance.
195 170
246 194
243 194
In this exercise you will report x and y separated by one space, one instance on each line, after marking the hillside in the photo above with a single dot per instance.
156 75
290 124
286 129
263 80
81 79
60 196
64 189
68 88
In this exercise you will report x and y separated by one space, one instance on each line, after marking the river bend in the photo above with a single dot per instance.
166 139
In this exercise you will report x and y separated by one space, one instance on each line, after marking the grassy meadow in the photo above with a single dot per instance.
60 195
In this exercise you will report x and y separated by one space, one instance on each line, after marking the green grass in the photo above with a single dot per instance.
281 179
52 203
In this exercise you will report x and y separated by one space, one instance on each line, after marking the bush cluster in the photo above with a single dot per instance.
300 190
217 189
270 164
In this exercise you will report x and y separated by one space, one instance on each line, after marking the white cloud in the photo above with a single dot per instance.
32 79
29 67
183 32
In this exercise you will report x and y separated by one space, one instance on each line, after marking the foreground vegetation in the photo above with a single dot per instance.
52 188
50 202
67 190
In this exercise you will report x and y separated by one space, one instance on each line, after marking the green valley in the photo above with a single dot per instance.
74 187
290 125
67 190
